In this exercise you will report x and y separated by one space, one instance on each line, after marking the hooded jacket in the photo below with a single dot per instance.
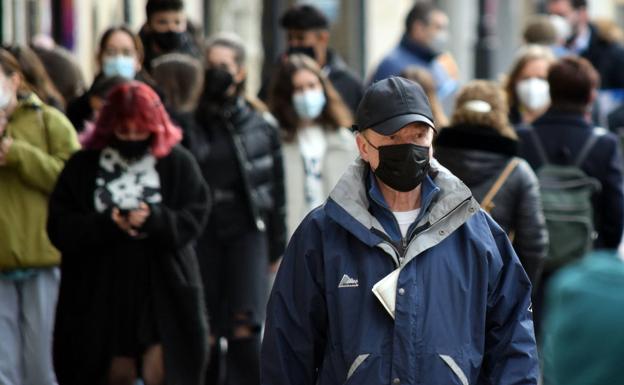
456 311
43 139
477 155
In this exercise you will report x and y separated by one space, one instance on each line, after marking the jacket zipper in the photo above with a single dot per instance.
238 146
418 231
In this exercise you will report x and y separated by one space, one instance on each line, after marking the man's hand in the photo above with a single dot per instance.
5 146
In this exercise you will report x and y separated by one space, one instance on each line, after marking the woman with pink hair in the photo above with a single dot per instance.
124 214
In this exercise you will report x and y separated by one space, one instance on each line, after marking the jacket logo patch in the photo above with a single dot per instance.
347 281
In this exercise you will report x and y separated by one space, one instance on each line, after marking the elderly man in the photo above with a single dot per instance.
399 278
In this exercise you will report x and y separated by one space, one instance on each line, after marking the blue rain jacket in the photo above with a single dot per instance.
462 311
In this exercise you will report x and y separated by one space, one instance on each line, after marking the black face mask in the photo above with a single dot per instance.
217 81
169 41
402 167
308 51
131 149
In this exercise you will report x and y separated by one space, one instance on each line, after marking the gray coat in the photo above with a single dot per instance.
477 155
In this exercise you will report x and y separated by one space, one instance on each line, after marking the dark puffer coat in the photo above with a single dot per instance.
258 152
477 155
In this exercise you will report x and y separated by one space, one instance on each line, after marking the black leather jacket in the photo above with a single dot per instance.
258 151
477 155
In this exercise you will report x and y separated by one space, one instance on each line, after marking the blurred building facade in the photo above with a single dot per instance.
362 30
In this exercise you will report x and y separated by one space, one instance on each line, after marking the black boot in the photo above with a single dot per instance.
243 361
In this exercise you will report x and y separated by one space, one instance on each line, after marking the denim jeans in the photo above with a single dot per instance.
27 308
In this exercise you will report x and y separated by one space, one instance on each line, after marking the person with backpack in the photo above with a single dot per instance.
35 142
480 148
567 151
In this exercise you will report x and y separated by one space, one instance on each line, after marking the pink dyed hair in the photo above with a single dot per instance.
134 102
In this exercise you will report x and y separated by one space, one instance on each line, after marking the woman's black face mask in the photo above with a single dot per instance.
131 149
217 81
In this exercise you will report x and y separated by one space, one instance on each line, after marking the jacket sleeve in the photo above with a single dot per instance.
531 236
277 217
72 228
611 201
174 228
510 350
38 167
295 334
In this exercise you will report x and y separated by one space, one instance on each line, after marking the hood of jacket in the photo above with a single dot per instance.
451 206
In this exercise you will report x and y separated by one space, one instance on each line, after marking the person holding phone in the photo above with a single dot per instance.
125 214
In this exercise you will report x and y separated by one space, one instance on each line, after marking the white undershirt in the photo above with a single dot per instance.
312 146
405 219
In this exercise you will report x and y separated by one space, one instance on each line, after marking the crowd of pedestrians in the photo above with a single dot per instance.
162 226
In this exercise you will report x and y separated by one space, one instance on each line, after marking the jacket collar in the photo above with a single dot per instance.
558 117
349 203
423 52
29 100
476 137
379 207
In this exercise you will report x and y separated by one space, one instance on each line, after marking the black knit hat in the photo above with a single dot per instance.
154 6
304 17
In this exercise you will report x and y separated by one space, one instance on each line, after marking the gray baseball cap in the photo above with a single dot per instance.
391 104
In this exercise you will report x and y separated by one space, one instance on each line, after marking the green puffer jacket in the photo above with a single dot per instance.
43 139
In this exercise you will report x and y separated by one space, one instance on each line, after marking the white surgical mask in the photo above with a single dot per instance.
119 65
309 104
534 93
439 42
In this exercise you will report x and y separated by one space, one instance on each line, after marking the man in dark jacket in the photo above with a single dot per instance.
563 131
307 32
606 56
565 128
424 40
399 278
167 30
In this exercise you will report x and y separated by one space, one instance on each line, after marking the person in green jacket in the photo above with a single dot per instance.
35 142
583 334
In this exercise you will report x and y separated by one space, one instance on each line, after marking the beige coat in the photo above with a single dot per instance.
341 151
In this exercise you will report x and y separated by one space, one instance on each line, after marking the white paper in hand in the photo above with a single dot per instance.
385 291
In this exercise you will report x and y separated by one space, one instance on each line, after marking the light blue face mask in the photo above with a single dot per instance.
119 65
309 104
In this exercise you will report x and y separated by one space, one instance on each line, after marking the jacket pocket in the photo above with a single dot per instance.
455 368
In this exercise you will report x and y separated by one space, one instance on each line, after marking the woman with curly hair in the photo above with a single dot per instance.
481 147
124 215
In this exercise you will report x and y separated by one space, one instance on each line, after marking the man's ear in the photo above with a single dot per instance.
362 146
240 75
